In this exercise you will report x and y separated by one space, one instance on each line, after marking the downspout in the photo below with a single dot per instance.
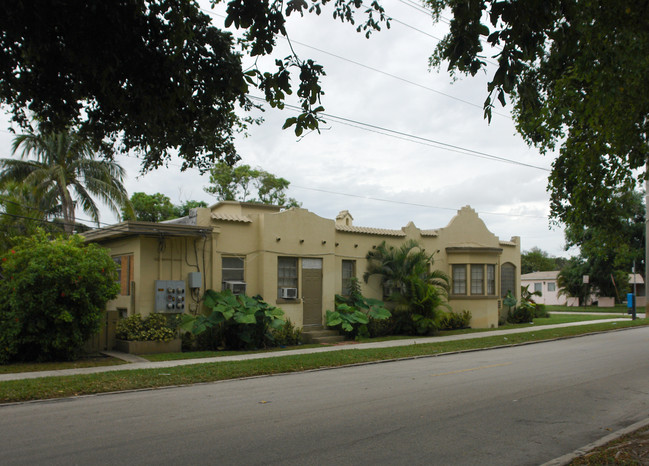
160 240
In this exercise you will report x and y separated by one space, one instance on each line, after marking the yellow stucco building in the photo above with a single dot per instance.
295 260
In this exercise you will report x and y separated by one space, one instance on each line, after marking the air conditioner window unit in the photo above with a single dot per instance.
288 293
236 287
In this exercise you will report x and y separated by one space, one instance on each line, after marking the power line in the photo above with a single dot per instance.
414 204
392 201
394 76
381 71
417 139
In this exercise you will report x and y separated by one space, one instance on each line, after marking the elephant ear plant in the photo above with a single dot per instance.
240 321
354 312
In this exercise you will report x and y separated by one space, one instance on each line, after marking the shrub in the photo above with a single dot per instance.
287 335
453 321
155 327
523 313
380 327
541 311
54 294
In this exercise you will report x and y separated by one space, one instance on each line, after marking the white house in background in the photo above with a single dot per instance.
546 283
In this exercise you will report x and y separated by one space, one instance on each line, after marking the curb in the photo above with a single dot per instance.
566 459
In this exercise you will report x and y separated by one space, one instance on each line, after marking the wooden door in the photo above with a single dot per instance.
312 291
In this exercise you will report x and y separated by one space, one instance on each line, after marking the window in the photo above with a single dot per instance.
286 273
552 286
459 279
491 279
348 272
507 279
124 273
477 279
538 287
481 281
232 269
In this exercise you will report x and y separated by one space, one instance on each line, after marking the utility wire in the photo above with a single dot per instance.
428 206
385 72
391 201
419 139
394 76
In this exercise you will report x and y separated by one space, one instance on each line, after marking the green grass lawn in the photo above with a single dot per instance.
619 308
90 361
56 387
108 361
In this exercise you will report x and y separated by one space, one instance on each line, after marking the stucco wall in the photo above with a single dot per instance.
262 234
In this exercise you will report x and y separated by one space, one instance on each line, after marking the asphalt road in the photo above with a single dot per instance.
511 406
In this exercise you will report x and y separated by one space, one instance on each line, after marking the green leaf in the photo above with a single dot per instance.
360 317
211 298
187 322
277 324
289 122
243 318
333 319
380 313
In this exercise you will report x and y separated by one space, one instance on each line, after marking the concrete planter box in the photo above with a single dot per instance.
148 347
605 302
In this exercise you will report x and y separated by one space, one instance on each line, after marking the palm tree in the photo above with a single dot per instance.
399 267
67 173
418 291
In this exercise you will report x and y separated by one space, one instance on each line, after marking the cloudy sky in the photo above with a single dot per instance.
403 143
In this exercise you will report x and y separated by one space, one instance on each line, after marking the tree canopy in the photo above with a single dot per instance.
154 76
576 73
537 260
157 208
239 183
609 249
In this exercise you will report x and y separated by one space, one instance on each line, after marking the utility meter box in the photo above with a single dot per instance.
194 280
170 296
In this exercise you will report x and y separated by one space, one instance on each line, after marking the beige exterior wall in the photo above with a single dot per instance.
262 234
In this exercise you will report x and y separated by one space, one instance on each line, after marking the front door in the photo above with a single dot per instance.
312 291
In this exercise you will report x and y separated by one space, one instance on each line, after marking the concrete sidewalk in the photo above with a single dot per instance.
136 362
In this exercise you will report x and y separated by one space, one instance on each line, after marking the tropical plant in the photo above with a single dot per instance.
67 173
527 295
425 305
523 313
354 312
510 301
418 292
239 321
527 301
54 294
